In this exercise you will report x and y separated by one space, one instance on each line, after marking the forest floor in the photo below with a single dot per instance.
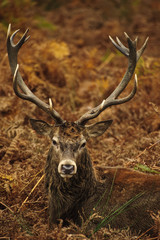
70 59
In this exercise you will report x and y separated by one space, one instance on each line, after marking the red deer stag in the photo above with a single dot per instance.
126 197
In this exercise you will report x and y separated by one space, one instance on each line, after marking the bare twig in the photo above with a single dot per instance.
32 180
31 191
148 148
7 207
145 233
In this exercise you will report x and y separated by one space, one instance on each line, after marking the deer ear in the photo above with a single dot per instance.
41 127
98 128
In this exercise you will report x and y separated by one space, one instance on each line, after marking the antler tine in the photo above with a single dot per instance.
121 48
130 96
14 48
140 51
121 44
125 50
133 57
18 82
23 39
15 86
130 70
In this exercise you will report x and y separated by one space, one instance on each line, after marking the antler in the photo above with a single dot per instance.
133 58
18 82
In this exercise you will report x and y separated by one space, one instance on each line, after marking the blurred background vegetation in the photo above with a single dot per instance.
18 11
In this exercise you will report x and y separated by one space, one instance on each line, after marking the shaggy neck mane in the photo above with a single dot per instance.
69 195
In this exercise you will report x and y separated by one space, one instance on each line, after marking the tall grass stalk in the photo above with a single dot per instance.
109 195
114 213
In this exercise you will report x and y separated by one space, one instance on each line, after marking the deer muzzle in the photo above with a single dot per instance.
67 168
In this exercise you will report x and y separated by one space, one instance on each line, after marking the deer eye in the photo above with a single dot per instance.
54 141
83 145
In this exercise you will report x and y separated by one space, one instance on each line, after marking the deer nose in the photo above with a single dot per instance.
67 169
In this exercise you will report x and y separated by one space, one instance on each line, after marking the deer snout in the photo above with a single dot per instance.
67 168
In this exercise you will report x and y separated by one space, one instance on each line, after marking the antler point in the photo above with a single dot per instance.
136 39
102 104
136 80
9 30
147 40
50 103
126 35
15 73
117 38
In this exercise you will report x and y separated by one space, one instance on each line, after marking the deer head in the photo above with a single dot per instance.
69 138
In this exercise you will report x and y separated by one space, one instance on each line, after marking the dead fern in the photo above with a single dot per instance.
156 108
12 149
15 133
156 228
14 130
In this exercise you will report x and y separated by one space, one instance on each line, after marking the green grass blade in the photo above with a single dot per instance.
114 213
